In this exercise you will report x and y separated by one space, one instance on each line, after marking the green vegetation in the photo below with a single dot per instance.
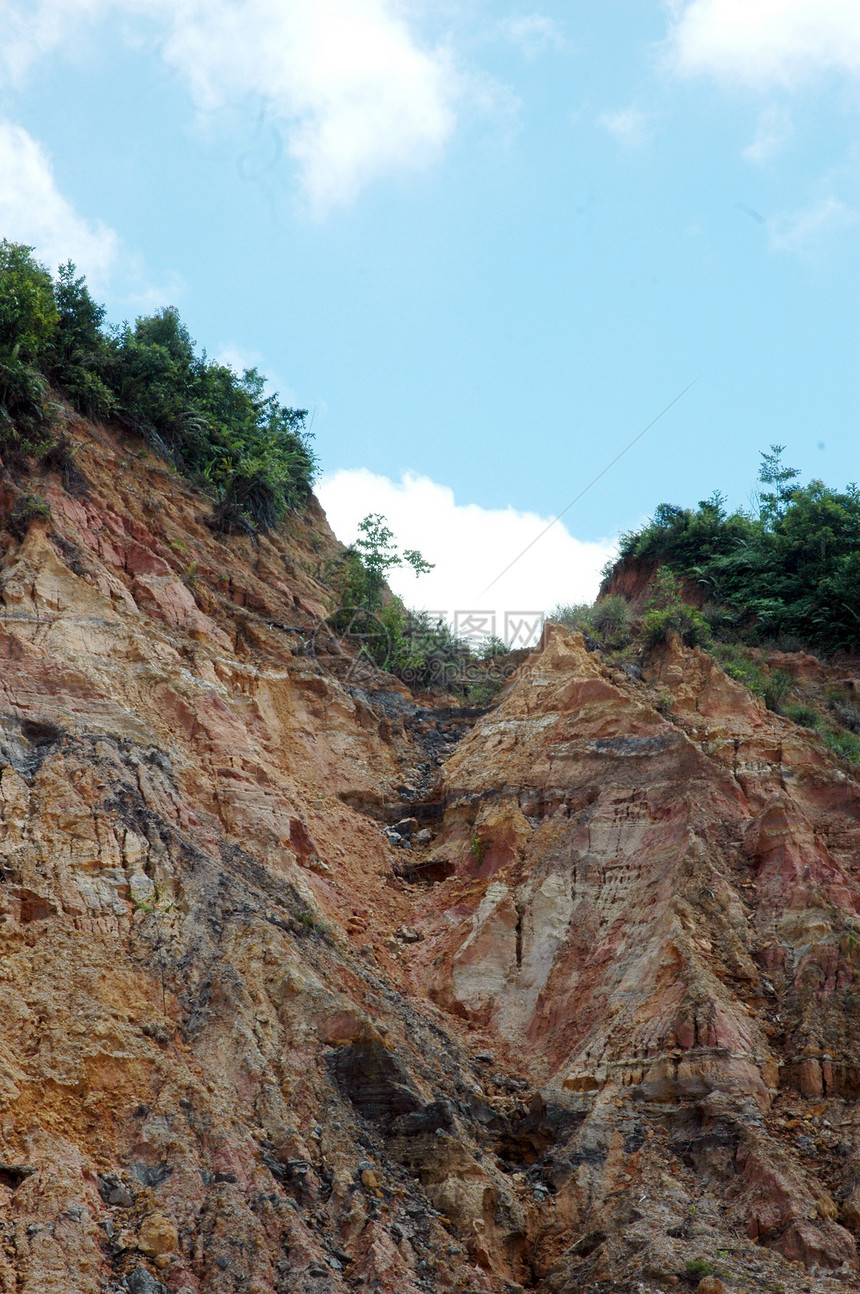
699 1267
789 575
421 651
607 622
667 612
250 452
361 579
843 744
29 507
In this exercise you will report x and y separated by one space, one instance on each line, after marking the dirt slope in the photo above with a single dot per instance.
595 1030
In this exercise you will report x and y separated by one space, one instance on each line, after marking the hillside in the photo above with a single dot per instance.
596 1030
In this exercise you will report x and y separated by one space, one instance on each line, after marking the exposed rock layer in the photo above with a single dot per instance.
600 1032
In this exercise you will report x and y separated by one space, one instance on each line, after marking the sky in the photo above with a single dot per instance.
484 244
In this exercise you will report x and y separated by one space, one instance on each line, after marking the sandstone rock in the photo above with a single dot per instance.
640 925
157 1235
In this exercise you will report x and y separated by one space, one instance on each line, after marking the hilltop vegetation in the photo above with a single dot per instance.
250 452
788 574
784 578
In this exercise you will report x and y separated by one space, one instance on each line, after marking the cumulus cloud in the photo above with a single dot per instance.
470 545
356 91
33 211
764 42
772 134
804 231
631 127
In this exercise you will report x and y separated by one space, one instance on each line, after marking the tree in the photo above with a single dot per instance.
378 555
28 311
772 472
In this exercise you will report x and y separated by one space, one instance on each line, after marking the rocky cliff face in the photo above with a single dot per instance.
596 1030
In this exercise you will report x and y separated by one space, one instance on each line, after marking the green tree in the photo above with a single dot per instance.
772 472
28 311
28 319
792 574
377 554
80 354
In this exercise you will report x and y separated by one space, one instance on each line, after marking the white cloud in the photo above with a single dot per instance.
533 33
631 127
804 231
470 545
33 211
32 30
356 91
764 42
772 134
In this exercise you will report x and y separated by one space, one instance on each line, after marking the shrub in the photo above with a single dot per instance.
574 615
29 508
844 712
776 689
423 652
844 744
610 617
26 413
667 612
740 667
493 647
805 715
79 355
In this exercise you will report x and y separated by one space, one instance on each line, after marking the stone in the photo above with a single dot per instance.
156 1235
140 1281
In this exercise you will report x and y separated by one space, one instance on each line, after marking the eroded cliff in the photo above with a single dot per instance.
596 1030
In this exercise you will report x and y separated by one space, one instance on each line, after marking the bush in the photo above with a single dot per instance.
610 617
666 612
776 689
574 615
805 715
740 667
493 647
844 712
844 744
80 355
607 622
26 413
29 508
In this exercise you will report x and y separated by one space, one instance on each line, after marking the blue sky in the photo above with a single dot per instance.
484 243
